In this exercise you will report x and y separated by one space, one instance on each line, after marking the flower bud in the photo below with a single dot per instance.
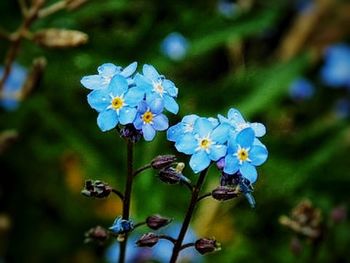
163 161
148 240
207 245
156 221
97 189
130 132
121 226
169 175
60 38
223 193
96 234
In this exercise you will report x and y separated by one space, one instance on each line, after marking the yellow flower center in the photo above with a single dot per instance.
117 103
147 117
242 154
205 143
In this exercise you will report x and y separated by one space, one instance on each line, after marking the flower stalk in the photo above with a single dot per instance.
188 216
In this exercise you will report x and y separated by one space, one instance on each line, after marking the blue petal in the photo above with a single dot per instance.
232 145
258 155
107 69
93 82
118 85
138 122
220 133
213 121
174 132
190 119
231 164
142 107
129 70
99 100
107 120
245 137
186 144
142 82
150 72
170 104
127 115
199 161
134 96
156 106
148 132
222 119
160 122
170 88
235 116
248 171
203 127
259 129
217 151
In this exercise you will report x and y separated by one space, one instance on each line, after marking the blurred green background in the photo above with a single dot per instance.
246 58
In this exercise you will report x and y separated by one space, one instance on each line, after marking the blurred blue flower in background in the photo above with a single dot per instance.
206 143
336 70
342 108
115 104
174 46
11 92
301 89
227 8
150 119
243 155
161 252
304 6
157 86
105 74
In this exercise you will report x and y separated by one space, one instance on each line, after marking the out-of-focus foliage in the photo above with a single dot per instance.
247 60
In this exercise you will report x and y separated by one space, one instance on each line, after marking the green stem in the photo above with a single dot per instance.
188 216
127 197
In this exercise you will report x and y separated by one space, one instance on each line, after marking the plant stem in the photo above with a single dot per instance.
203 196
119 194
187 245
188 216
166 237
141 169
127 197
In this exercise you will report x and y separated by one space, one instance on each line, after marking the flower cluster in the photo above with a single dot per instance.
231 141
122 97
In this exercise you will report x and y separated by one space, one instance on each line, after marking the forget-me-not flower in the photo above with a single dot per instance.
157 86
150 118
115 104
105 74
121 226
174 46
206 143
11 92
336 70
243 154
235 118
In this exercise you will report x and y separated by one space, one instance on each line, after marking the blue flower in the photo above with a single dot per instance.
244 153
206 143
336 70
115 104
342 108
227 8
235 118
150 119
121 226
161 252
11 92
174 46
157 86
105 74
301 89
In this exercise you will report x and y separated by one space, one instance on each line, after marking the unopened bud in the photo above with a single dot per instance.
97 189
169 175
96 234
130 132
223 193
121 226
156 221
163 161
207 245
148 240
60 38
